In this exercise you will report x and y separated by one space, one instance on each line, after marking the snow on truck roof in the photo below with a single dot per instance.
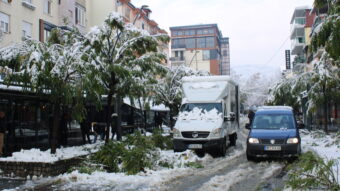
206 88
208 79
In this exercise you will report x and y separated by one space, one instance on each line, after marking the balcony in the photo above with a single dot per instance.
177 60
297 45
28 5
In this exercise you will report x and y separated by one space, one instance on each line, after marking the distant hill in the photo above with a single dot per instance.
247 70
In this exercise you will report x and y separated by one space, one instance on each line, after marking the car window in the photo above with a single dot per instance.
273 121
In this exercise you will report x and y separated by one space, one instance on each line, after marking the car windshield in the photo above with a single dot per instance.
204 106
273 121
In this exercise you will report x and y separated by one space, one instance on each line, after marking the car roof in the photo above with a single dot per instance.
275 110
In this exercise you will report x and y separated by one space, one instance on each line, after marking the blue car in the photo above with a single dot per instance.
274 132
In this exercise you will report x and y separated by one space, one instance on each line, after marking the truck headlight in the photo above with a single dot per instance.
216 133
253 141
176 133
293 140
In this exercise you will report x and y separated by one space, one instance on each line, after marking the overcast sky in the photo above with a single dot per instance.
258 29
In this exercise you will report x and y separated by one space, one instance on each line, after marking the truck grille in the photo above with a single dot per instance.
191 134
267 141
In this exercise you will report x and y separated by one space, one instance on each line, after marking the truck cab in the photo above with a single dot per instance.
208 119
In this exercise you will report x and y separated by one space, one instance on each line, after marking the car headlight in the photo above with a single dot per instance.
216 132
253 141
293 140
176 133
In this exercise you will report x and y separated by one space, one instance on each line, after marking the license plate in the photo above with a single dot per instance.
272 148
195 146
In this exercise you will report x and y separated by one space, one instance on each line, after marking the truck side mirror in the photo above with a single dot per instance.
226 118
247 126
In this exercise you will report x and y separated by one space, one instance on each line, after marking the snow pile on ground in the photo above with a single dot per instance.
142 181
326 146
199 114
36 155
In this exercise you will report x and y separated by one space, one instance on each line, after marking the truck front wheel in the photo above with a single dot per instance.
223 148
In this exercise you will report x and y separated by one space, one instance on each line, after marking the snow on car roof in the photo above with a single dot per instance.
275 108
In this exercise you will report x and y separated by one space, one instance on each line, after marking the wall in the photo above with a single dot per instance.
18 13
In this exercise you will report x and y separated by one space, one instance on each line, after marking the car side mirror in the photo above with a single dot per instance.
175 118
247 126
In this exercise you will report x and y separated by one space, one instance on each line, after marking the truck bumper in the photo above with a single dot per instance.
182 145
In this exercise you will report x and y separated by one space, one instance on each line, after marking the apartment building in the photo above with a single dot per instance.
200 47
36 18
27 18
301 24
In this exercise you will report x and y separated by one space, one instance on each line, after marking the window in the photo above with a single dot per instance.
143 26
199 31
4 22
27 1
47 6
180 33
206 54
26 29
210 42
80 15
5 1
127 13
190 43
201 43
46 34
174 33
225 53
300 20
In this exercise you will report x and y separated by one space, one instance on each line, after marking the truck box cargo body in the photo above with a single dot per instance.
209 115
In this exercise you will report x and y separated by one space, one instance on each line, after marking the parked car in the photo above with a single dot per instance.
274 132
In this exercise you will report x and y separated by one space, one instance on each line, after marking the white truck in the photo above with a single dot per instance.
208 120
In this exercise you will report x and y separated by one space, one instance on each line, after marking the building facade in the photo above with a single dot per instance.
200 47
36 18
301 24
27 19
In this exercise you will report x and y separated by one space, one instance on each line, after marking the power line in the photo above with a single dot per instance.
277 51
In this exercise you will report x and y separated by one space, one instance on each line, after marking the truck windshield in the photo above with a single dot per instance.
204 106
273 121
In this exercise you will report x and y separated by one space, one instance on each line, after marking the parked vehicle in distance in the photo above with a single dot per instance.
208 120
274 132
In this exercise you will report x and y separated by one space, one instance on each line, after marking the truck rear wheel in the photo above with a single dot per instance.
233 138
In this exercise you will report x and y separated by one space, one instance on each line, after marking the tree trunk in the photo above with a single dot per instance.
119 126
171 119
325 109
56 118
108 117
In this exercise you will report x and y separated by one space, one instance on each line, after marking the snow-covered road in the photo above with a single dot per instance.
232 172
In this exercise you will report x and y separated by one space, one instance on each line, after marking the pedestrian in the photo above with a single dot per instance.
158 120
251 115
2 131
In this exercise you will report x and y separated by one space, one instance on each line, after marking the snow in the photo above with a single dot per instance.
36 155
326 146
199 114
224 182
142 181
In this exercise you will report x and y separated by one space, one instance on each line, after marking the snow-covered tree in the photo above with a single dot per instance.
123 58
168 91
52 70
